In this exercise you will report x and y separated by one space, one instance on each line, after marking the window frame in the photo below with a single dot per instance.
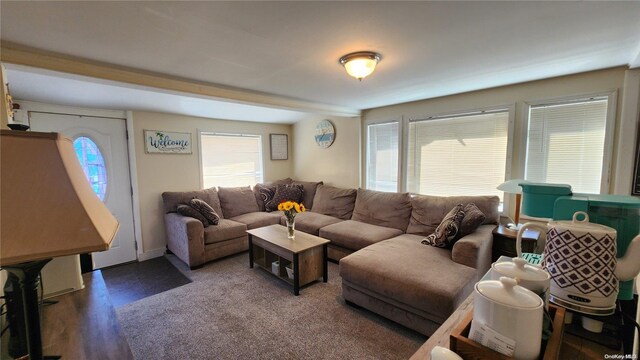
610 122
399 186
508 108
200 159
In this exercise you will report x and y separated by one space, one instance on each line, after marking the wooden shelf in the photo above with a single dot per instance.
264 259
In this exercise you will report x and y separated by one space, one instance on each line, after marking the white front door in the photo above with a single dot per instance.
111 181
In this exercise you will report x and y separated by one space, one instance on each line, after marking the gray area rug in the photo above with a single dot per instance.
232 312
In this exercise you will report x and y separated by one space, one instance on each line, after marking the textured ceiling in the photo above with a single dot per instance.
291 49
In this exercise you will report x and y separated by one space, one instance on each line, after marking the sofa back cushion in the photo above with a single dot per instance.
383 208
310 189
333 201
428 211
171 199
237 201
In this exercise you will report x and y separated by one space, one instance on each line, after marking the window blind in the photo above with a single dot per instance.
231 160
382 156
458 155
566 144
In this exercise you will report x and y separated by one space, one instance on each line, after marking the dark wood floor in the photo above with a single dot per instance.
83 324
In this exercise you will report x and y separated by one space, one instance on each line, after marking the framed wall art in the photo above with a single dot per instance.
167 142
279 144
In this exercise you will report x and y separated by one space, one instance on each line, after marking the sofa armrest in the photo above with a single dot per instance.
474 250
185 238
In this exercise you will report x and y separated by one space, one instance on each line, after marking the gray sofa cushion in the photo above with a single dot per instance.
333 201
428 211
383 208
355 235
237 201
311 222
225 230
422 277
171 199
258 219
309 192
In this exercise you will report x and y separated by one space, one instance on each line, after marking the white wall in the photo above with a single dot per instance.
157 173
627 133
572 85
338 165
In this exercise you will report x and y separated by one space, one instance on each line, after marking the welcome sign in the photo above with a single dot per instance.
165 142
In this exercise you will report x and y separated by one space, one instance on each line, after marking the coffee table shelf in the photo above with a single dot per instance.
264 259
307 254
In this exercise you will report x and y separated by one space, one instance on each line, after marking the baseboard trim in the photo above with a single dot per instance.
148 255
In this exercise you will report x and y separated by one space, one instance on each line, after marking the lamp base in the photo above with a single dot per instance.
23 311
514 227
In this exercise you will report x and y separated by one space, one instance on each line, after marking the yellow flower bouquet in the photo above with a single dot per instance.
290 210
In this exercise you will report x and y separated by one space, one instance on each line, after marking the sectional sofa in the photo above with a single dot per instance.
375 236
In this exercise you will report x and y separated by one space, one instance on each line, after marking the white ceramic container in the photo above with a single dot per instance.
529 276
513 311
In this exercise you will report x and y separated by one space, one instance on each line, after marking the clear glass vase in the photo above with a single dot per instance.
291 228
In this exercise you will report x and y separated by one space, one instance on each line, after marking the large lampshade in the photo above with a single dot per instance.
360 64
48 208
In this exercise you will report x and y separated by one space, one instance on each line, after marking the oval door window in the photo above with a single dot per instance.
92 163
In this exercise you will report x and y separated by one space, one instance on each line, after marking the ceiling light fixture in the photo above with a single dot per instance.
360 64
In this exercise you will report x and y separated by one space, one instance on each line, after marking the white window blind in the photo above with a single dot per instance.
382 156
231 160
566 144
458 155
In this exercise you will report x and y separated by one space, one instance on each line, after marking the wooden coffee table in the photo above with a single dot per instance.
306 254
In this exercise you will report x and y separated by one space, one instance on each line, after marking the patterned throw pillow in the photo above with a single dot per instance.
289 192
473 218
266 194
445 233
186 210
207 211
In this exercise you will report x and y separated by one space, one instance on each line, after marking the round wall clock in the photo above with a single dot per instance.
325 134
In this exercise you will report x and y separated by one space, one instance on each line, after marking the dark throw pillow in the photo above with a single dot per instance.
186 210
289 192
264 194
446 232
473 218
207 211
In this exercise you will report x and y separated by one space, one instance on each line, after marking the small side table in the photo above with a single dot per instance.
504 242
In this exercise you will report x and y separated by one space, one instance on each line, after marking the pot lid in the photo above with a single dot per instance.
519 269
582 225
507 292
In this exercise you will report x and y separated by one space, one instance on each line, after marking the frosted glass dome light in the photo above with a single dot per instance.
360 64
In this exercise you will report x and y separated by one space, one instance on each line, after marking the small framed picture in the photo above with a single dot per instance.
279 144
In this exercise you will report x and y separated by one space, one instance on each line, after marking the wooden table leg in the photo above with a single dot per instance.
296 275
325 259
250 251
